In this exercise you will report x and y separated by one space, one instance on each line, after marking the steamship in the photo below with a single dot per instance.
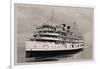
52 40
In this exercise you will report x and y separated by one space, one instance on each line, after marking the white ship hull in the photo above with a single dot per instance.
34 49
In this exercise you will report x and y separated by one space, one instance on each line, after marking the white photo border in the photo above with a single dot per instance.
12 58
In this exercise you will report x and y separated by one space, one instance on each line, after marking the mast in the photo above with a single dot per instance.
52 15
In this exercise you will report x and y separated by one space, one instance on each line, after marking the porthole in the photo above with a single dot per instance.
72 46
78 45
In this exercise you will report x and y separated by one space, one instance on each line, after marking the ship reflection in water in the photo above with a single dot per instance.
47 57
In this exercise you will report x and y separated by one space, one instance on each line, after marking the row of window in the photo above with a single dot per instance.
54 36
46 46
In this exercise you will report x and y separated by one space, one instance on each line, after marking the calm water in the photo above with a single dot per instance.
85 54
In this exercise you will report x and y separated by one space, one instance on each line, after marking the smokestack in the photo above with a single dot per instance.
68 29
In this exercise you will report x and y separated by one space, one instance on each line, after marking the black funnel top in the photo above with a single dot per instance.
64 25
68 27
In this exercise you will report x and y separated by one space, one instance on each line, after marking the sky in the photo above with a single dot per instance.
27 16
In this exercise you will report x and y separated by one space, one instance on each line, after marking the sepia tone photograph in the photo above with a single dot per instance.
46 33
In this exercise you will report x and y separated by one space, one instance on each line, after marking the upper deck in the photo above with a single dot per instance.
56 33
